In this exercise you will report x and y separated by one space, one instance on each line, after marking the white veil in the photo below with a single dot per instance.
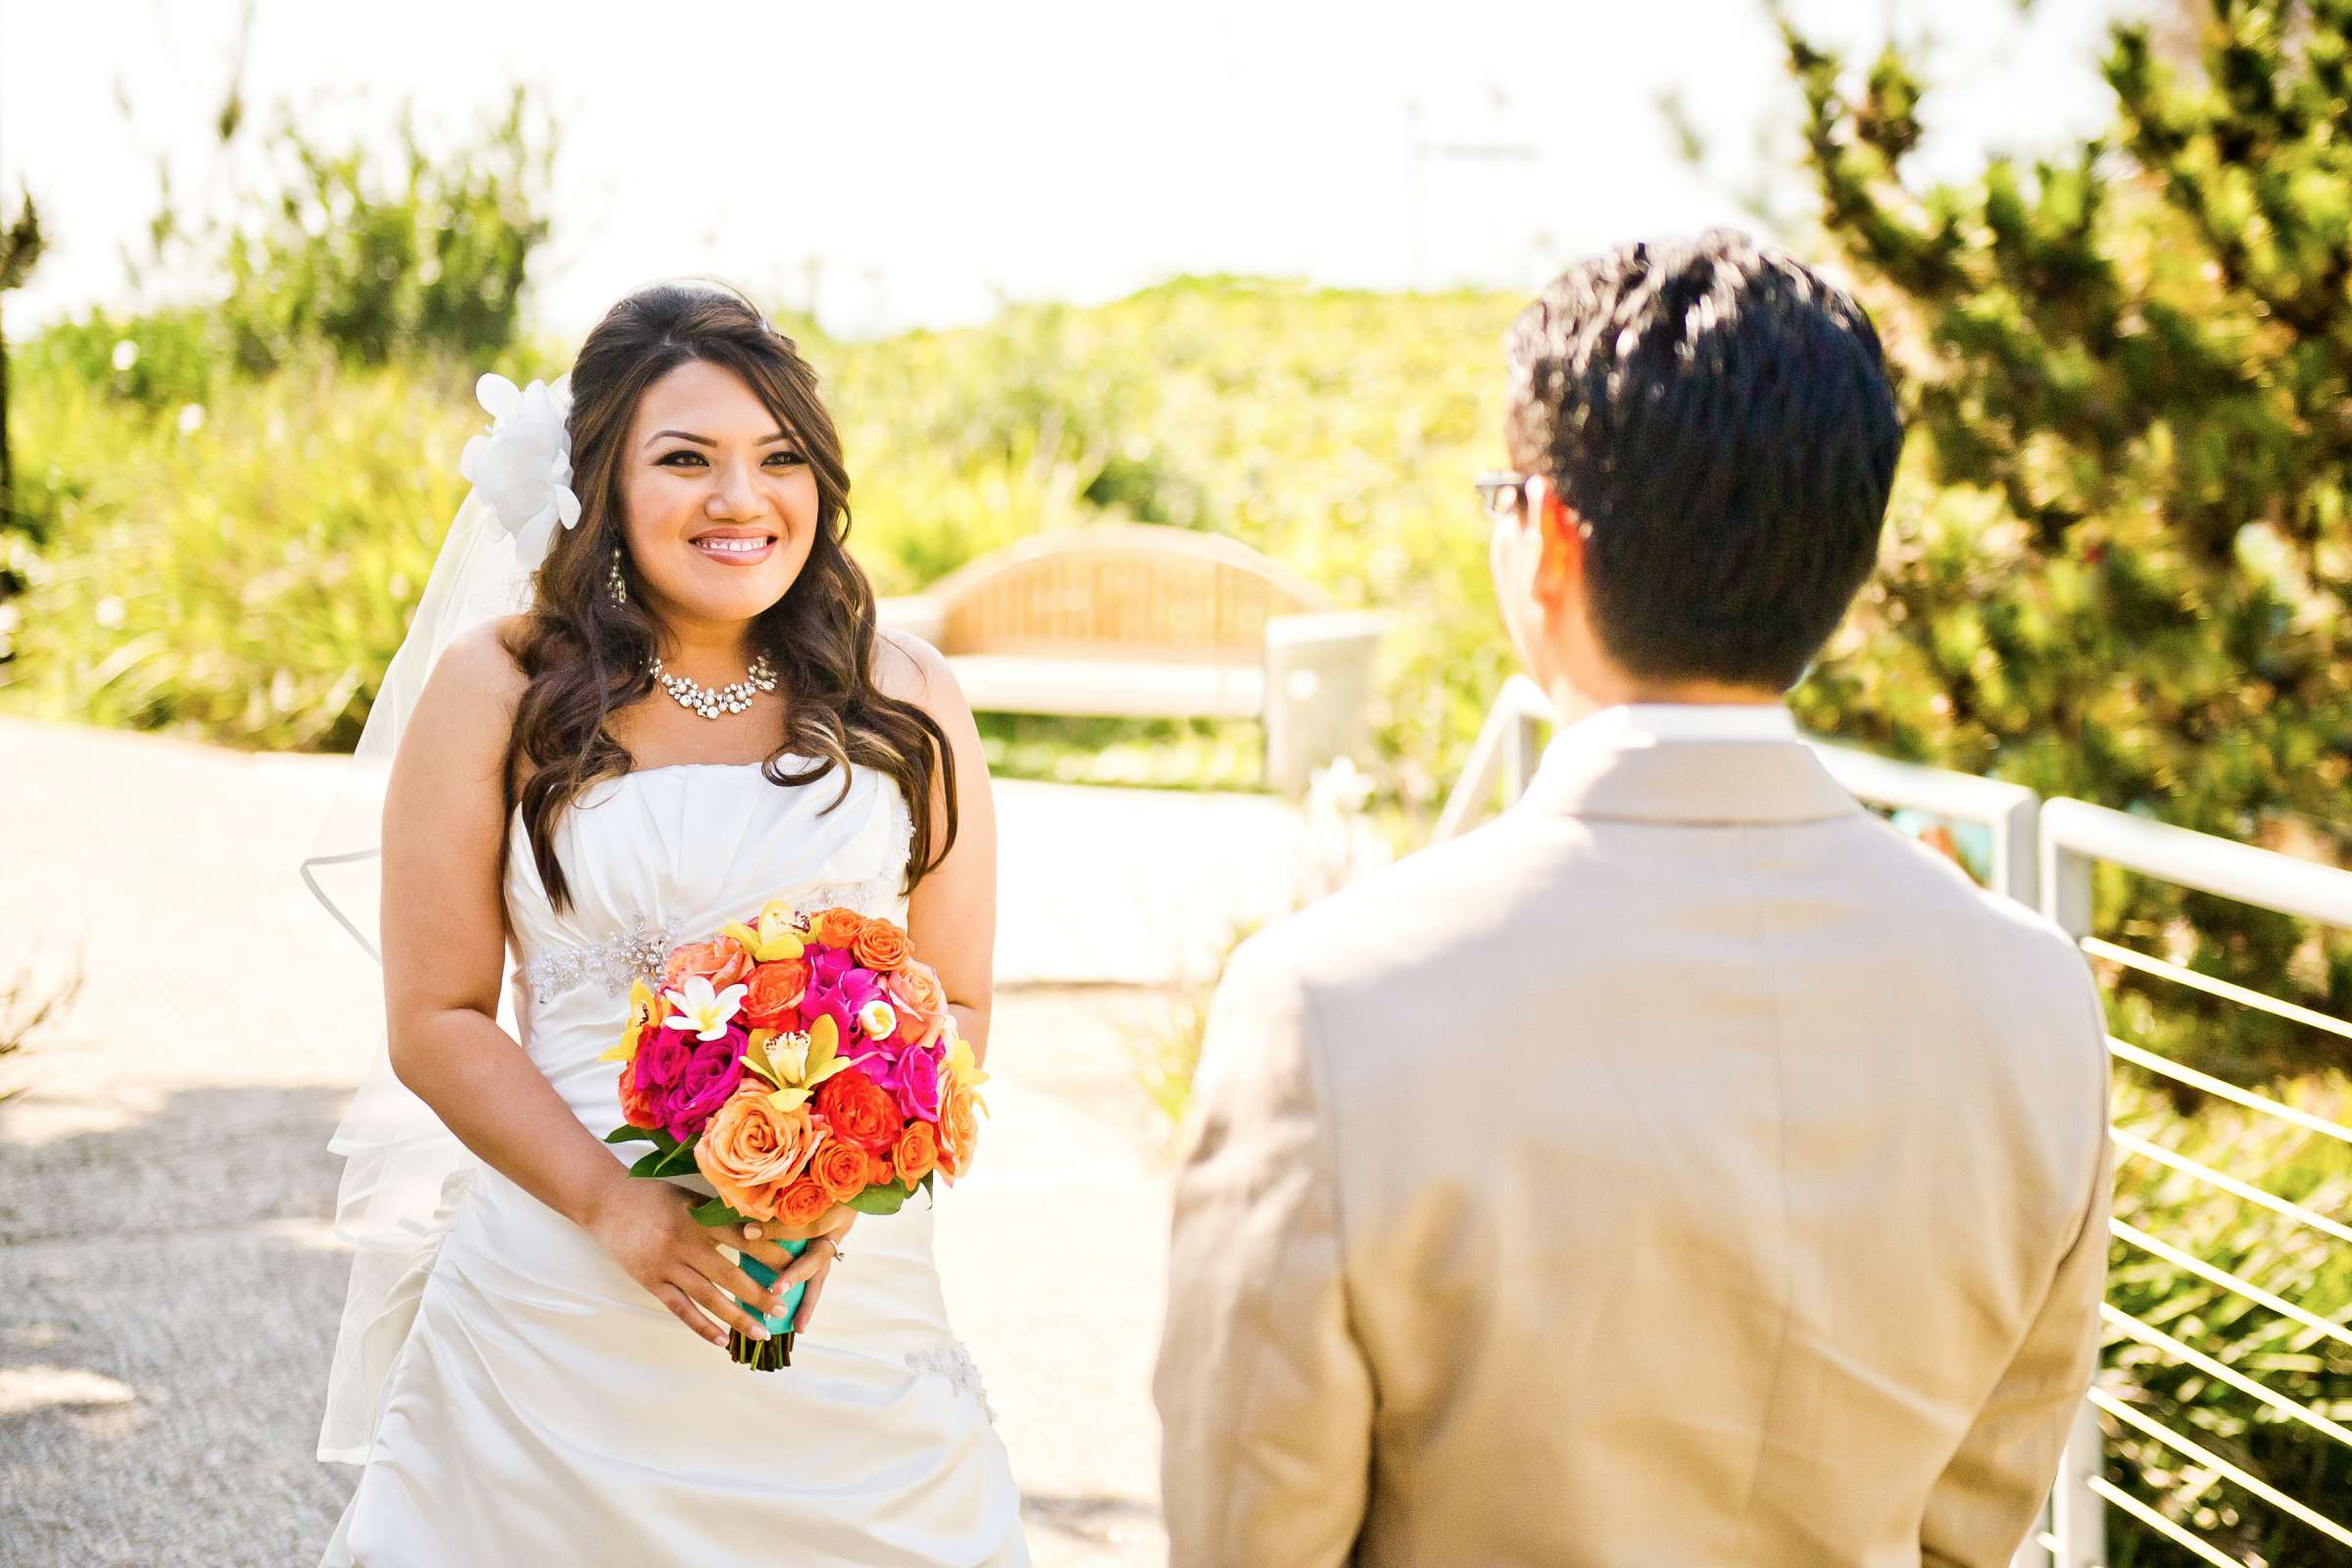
403 1169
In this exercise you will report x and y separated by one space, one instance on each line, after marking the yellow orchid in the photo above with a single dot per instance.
641 1013
796 1063
963 1066
779 933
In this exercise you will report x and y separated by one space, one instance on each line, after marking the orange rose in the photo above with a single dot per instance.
837 928
776 988
752 1151
840 1169
880 1172
802 1203
860 1110
920 999
638 1108
722 961
959 1130
881 947
917 1153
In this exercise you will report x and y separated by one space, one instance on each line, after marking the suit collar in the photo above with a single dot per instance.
1692 765
1681 721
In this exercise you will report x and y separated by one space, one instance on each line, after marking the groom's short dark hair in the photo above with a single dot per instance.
1719 416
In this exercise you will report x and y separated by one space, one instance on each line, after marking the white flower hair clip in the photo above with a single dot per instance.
522 467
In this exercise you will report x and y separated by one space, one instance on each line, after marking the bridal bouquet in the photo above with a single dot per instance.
794 1061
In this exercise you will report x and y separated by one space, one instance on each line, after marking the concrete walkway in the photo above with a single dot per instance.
168 1285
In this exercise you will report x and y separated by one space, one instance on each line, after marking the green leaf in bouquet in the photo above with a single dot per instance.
884 1199
651 1165
717 1212
679 1158
659 1137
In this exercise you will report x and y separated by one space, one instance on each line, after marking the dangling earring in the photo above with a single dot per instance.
614 582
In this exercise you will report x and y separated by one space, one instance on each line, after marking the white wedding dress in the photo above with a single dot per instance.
542 1406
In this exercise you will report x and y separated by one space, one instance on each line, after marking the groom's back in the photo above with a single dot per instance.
1705 1154
1682 1170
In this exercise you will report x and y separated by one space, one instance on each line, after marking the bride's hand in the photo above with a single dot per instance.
816 1262
650 1230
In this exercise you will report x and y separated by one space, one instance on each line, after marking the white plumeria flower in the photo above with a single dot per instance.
523 469
879 1019
702 1009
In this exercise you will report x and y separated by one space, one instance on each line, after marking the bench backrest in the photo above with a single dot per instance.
1124 591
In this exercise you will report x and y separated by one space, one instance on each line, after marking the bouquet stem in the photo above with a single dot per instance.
766 1355
760 1356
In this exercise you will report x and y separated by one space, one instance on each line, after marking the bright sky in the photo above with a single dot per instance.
936 158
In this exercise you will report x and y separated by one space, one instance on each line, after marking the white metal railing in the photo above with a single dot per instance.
2009 813
2042 855
1503 755
2076 836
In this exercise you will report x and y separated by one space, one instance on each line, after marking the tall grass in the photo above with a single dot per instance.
238 569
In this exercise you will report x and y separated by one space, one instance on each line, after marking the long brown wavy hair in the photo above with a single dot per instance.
586 656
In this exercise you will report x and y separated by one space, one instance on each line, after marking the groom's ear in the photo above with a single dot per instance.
1560 566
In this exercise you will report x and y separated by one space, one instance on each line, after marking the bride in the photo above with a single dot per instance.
691 713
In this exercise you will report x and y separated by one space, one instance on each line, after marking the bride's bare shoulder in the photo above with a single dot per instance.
480 665
466 710
908 668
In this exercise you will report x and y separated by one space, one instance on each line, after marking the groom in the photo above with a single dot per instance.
1684 1170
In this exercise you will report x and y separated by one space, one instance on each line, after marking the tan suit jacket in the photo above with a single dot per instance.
1683 1169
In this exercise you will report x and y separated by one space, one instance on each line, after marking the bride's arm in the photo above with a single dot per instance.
952 917
444 950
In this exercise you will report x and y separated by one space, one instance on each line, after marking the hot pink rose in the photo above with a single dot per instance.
661 1059
708 1079
878 1059
917 1087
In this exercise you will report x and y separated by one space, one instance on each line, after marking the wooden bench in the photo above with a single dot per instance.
1140 620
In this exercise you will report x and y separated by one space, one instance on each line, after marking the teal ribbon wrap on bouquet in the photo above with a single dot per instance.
775 1351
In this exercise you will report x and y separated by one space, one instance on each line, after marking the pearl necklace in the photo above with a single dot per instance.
712 701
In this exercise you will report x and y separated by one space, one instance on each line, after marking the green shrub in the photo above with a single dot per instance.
164 360
236 570
2119 555
425 258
